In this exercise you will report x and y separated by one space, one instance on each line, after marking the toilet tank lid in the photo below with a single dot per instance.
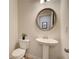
18 52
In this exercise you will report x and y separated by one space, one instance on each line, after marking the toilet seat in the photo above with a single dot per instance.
18 52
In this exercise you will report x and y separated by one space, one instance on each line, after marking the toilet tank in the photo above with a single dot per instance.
24 44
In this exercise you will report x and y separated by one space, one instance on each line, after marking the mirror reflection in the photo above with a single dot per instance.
46 19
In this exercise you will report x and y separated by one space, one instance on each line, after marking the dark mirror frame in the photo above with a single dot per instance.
54 16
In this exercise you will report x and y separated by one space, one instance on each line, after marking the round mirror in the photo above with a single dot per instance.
46 19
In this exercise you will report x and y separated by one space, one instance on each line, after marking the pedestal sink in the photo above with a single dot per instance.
46 42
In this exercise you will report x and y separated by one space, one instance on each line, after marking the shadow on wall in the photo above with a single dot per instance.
17 45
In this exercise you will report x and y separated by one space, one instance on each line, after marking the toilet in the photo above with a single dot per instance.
20 52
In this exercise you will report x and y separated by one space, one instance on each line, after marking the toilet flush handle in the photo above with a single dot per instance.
66 50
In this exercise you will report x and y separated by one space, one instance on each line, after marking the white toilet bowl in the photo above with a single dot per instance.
18 53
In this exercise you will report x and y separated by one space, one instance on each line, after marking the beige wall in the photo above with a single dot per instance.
64 27
27 12
13 25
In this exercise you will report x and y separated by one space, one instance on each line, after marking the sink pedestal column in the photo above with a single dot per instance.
45 51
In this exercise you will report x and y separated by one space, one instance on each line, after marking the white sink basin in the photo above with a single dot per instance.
46 42
50 42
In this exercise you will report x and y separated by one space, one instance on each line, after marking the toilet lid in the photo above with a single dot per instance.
18 52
